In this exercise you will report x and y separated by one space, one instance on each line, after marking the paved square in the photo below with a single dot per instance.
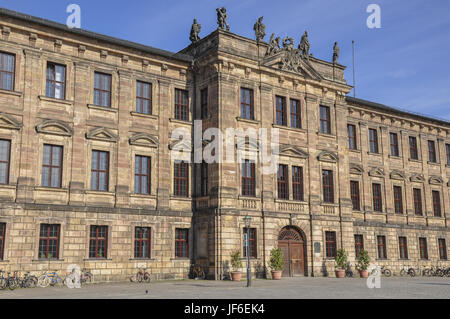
287 288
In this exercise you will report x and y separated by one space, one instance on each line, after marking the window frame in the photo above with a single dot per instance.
181 110
204 178
447 148
394 145
377 199
283 181
437 209
325 123
442 249
413 148
330 244
47 239
140 97
328 186
7 162
2 240
403 247
98 170
297 184
139 242
423 248
252 240
352 137
398 199
432 156
141 175
98 239
47 80
2 71
355 196
381 247
247 181
280 110
417 201
373 141
247 104
359 244
51 167
103 76
204 103
297 116
178 190
179 240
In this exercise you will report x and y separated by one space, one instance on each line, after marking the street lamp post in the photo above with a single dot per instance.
247 220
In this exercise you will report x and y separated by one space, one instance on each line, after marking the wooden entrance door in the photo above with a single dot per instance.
292 245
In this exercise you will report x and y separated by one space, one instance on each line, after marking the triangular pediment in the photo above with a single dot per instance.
54 127
144 139
291 61
292 151
247 145
101 134
398 175
9 122
417 178
356 169
180 145
436 180
327 156
376 172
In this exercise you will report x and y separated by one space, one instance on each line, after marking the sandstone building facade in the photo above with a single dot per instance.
86 175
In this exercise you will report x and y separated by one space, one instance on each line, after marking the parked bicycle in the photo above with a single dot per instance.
383 270
197 272
408 271
50 278
29 281
141 275
7 282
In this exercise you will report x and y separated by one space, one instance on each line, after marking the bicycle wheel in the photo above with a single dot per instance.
3 283
139 277
387 273
403 272
440 273
147 277
12 284
43 281
426 272
412 272
31 282
447 272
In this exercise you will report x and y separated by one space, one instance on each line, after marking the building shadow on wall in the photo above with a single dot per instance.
324 269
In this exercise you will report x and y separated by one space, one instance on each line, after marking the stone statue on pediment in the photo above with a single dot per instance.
274 45
260 29
335 52
304 46
222 19
195 30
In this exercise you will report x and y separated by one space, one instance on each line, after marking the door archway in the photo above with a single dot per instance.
292 242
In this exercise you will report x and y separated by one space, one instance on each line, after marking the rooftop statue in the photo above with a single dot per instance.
274 45
222 19
195 30
304 46
260 29
335 53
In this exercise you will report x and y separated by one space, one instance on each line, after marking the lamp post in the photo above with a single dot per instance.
247 220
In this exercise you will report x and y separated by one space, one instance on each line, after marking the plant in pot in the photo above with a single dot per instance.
341 263
363 263
276 263
236 265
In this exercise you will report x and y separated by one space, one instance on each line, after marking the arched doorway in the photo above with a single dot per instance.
293 245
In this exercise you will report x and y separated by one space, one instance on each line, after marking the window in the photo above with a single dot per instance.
282 179
431 152
102 89
359 244
5 156
2 239
394 144
281 115
181 243
181 105
351 129
251 242
56 78
98 242
248 178
181 179
447 147
143 97
247 104
325 122
398 200
204 103
354 193
381 247
52 166
403 247
204 179
330 244
417 194
377 199
7 69
373 141
297 183
413 152
100 171
436 203
442 249
328 189
423 249
142 242
142 176
49 241
296 114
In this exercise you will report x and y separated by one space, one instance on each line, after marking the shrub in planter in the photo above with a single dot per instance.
341 263
236 265
276 263
363 263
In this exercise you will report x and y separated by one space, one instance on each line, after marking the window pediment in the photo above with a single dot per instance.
180 145
292 151
417 178
436 180
327 156
54 127
144 139
9 122
356 169
101 134
398 175
376 172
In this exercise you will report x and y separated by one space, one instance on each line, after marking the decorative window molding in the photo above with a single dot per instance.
327 156
376 172
292 151
101 134
247 145
436 180
398 175
144 139
8 122
417 178
54 127
181 145
356 169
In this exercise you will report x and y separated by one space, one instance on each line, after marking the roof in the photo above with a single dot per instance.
385 108
97 36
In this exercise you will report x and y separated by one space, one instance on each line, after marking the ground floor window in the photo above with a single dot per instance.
381 247
359 244
330 244
403 247
2 239
181 243
251 242
142 242
423 248
442 249
49 241
98 242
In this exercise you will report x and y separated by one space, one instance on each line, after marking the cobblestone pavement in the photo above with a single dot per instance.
287 288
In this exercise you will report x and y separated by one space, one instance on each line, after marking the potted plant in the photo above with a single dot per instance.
363 263
341 263
276 263
236 265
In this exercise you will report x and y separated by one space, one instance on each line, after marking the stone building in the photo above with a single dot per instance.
87 178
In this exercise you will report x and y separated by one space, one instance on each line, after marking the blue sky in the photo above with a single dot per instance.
405 64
